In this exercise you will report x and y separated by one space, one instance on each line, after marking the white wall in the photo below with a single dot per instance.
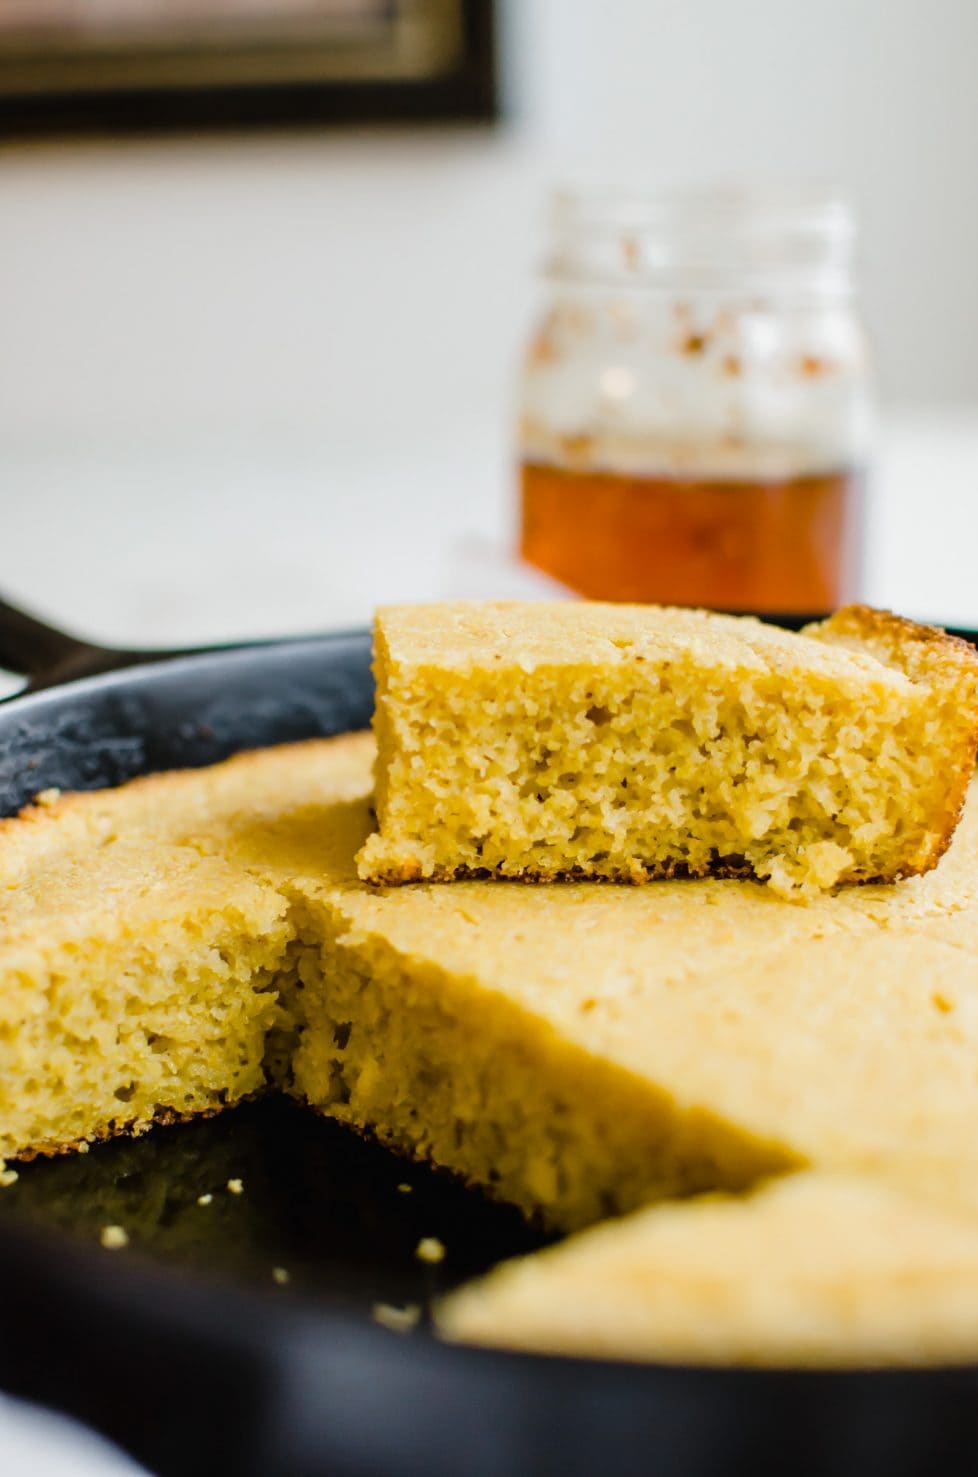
340 285
258 384
878 95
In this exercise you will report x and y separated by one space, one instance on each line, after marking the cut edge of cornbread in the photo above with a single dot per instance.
447 1070
337 977
813 1270
79 871
539 766
168 1027
932 657
139 973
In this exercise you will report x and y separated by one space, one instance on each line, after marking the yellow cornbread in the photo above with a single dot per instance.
136 984
138 974
576 1050
580 1050
629 742
814 1270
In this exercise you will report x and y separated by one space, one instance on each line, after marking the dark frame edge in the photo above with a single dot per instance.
469 95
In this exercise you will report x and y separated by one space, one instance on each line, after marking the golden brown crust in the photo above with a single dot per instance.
637 875
932 657
415 1153
53 809
869 619
920 651
162 1118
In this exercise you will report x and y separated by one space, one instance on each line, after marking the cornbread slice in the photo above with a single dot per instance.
632 742
139 968
814 1270
135 986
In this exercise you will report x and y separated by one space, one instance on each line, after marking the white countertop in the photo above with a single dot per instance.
37 1443
180 540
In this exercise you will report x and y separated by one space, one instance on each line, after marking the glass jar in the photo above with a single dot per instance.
695 411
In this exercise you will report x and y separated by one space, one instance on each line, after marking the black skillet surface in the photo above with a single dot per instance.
185 1349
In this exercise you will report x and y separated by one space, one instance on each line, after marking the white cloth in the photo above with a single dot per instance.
37 1443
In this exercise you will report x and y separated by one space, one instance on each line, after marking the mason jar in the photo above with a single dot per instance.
696 407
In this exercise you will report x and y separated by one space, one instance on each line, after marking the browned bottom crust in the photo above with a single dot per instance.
638 873
163 1117
371 1134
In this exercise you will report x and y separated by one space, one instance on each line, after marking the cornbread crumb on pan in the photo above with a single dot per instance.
631 742
430 1249
813 1271
398 1320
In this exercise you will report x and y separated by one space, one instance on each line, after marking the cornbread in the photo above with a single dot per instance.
582 1050
577 1051
398 1320
631 742
138 967
814 1270
430 1249
137 982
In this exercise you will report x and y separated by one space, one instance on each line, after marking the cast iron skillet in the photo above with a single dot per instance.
183 1348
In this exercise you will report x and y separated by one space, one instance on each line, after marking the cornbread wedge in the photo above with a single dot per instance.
575 1050
140 969
136 985
634 742
813 1270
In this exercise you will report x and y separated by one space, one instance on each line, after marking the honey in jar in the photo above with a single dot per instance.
695 405
774 545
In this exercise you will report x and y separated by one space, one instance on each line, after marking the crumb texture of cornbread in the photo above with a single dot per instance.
139 969
811 1271
546 741
577 1051
137 986
582 1050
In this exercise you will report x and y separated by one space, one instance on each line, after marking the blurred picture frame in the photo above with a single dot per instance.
69 66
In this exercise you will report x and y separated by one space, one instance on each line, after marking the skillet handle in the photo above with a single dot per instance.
33 649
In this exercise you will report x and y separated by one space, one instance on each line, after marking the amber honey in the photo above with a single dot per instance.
768 545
